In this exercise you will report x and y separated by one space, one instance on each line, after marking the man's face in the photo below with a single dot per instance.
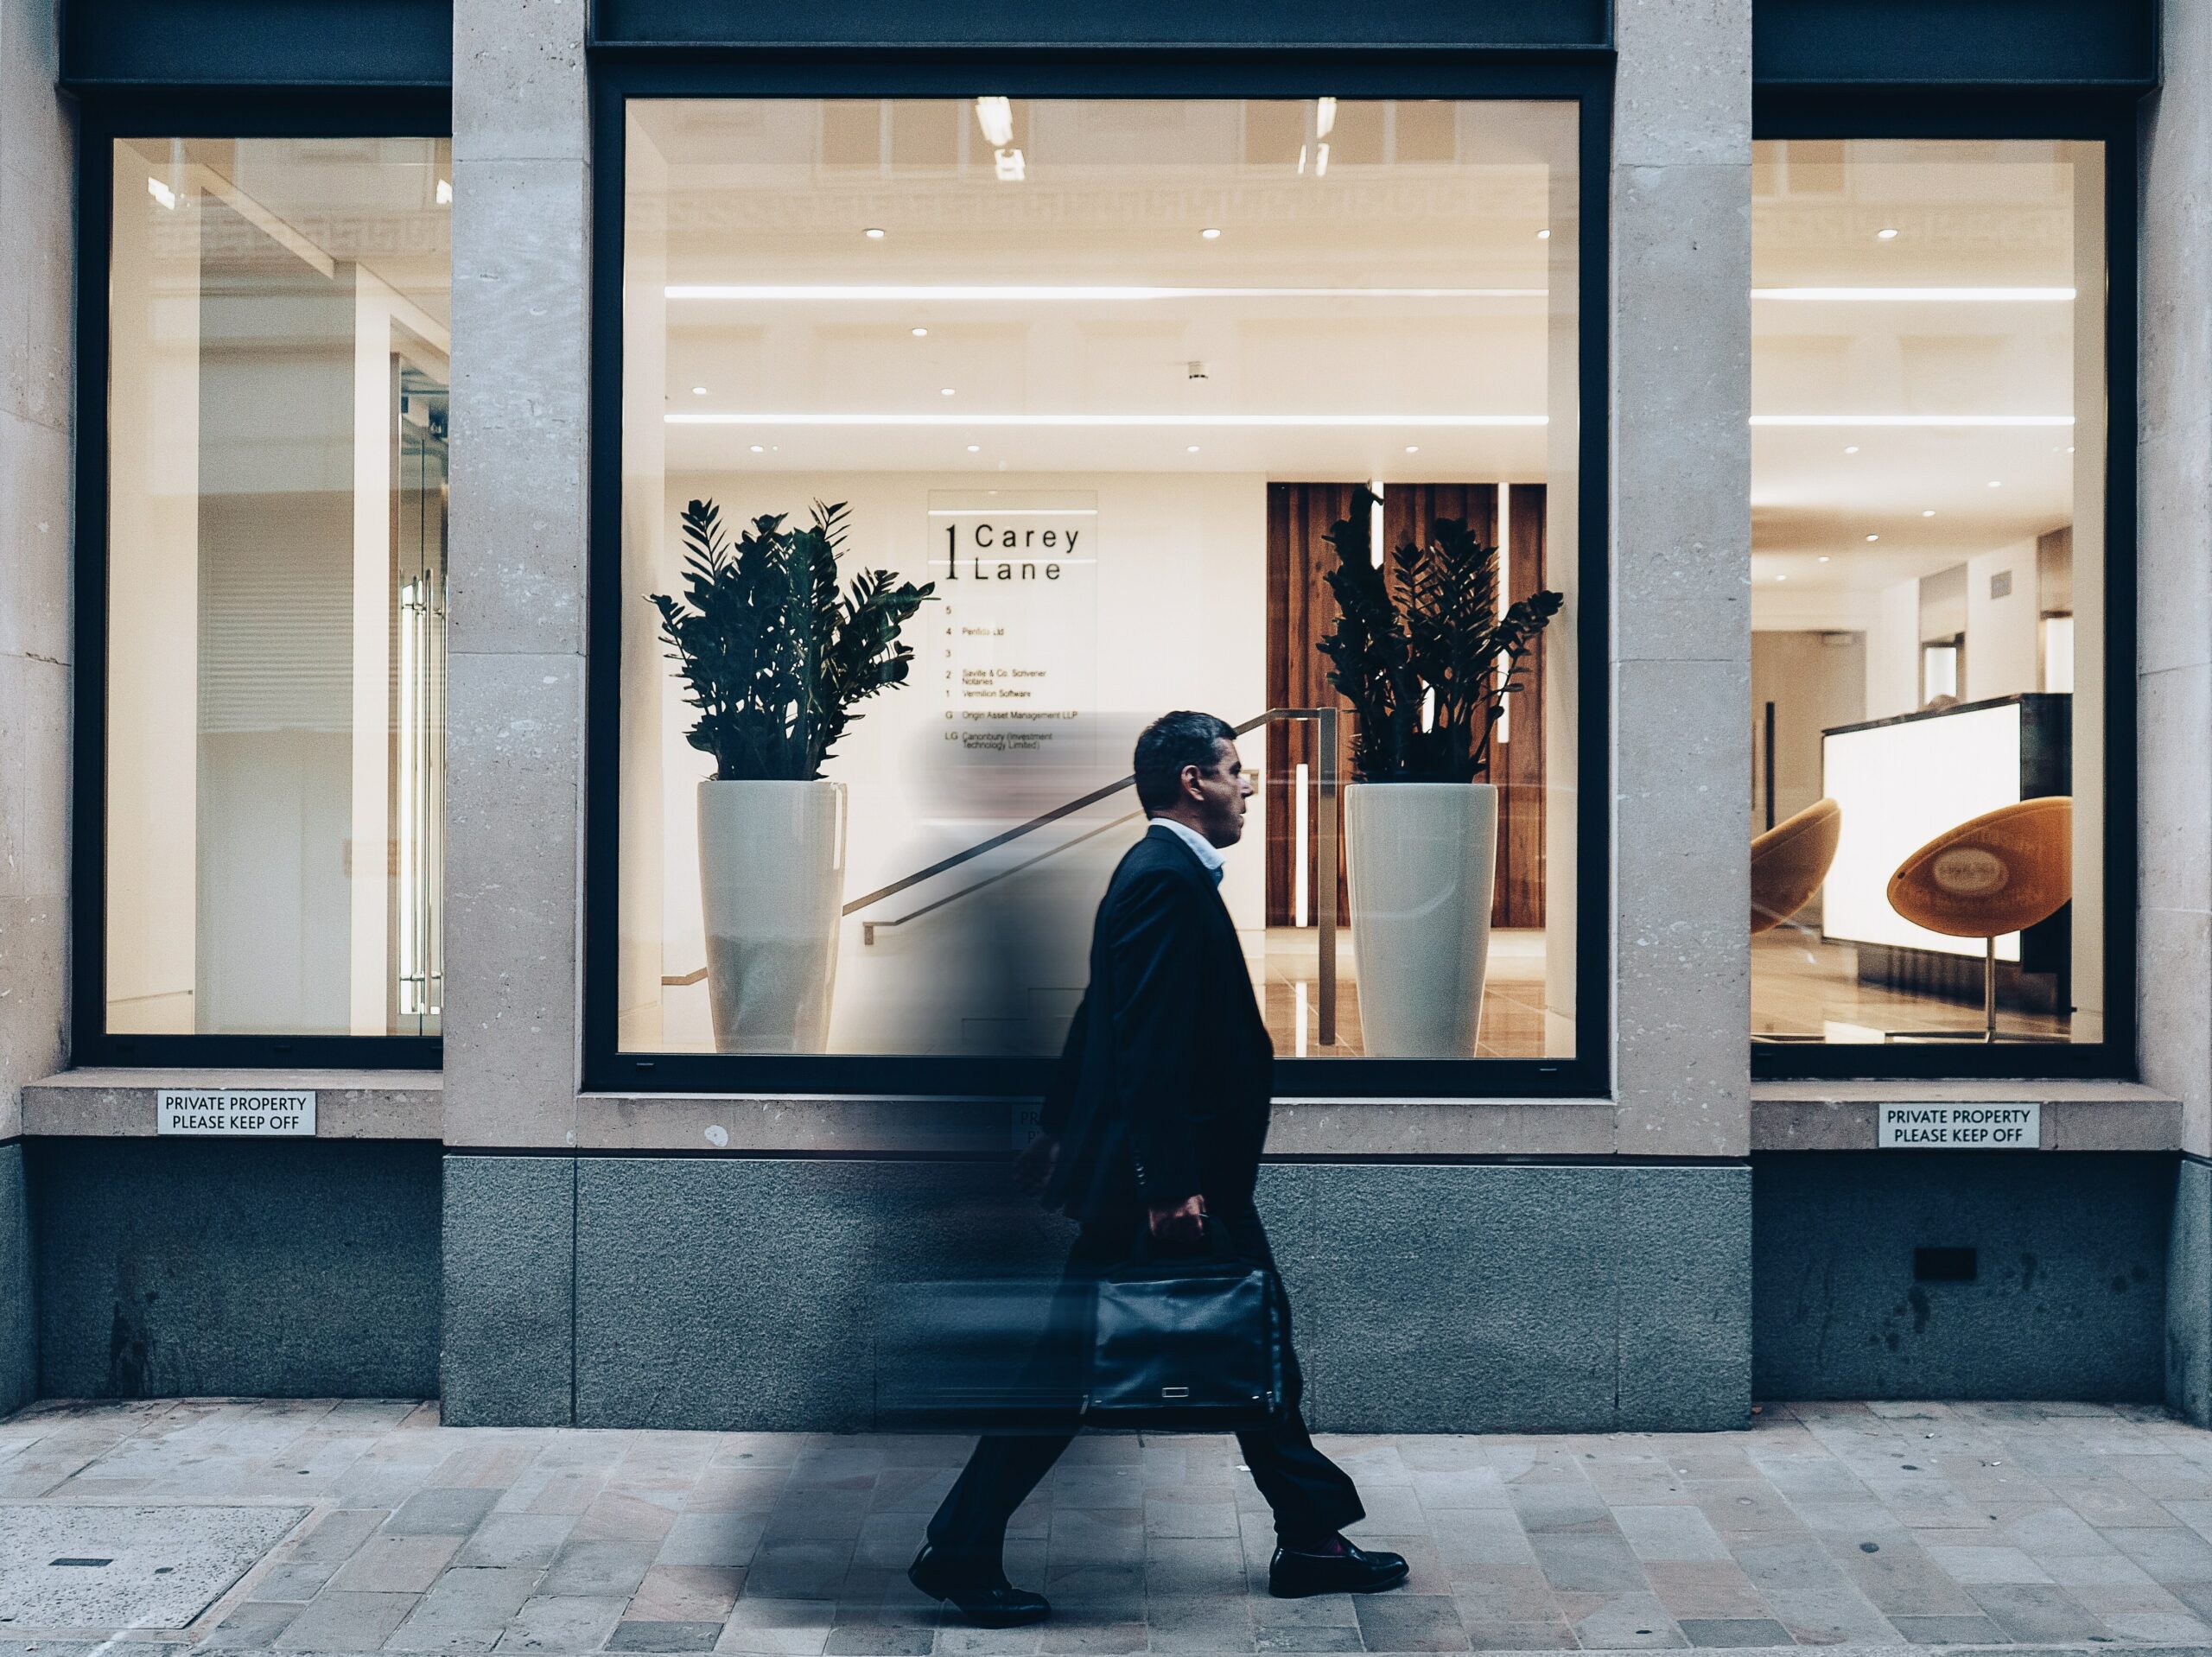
1220 792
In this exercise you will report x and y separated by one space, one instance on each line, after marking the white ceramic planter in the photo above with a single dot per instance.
771 877
1423 861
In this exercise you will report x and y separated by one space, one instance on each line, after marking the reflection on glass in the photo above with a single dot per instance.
1103 375
277 557
1927 513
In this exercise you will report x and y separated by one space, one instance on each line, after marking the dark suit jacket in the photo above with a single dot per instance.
1163 1089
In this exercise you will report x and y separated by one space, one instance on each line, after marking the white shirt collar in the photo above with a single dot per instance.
1202 848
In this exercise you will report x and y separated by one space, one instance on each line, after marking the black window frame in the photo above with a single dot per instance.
2107 115
105 115
1581 76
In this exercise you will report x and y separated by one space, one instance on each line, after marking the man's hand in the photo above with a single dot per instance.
1181 1222
1033 1167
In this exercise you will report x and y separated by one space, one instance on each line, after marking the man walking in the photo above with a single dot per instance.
1156 1119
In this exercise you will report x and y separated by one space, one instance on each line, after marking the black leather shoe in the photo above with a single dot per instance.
1296 1576
980 1593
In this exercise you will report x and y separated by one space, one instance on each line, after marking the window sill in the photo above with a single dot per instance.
2076 1115
823 1125
349 1104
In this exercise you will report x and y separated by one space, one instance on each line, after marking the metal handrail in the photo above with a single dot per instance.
1324 718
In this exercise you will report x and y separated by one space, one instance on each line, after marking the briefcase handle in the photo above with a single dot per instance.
1208 1233
1213 1243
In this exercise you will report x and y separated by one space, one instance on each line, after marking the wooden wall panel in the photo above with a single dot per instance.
1300 611
1518 765
1408 509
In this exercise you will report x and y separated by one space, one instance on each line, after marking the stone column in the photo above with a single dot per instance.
38 152
2174 631
1681 657
1681 229
521 331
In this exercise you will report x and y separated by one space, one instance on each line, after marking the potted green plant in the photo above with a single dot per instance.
776 659
1425 656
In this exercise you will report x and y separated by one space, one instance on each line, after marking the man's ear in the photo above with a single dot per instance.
1189 778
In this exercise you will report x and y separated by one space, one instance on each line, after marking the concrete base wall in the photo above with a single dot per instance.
228 1267
510 1300
18 1319
2070 1302
2189 1296
742 1294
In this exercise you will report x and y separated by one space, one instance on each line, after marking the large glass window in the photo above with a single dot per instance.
275 575
1929 580
1127 385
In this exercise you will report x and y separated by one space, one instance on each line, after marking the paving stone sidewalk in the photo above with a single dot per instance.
1852 1526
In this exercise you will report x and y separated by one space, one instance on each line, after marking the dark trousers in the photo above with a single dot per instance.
1311 1497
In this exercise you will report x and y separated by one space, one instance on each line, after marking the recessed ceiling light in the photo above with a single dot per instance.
757 449
1210 233
995 117
920 333
1891 293
1853 449
2070 448
946 392
1192 449
872 234
1412 449
698 390
1995 484
1873 537
1824 557
1782 578
1885 236
974 448
1930 512
1544 236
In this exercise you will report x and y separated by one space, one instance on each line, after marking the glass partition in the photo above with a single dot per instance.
1928 568
1109 392
277 577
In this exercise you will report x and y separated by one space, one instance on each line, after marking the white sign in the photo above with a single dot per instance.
231 1110
1011 649
1960 1128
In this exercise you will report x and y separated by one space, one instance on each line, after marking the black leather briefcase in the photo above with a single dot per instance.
1188 1342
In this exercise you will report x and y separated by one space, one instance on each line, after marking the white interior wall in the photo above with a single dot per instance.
2001 631
1817 681
651 560
1943 604
152 648
1893 651
371 868
276 689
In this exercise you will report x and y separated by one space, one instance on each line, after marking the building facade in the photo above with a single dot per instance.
1812 401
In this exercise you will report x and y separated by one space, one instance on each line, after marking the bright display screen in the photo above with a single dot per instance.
1901 785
